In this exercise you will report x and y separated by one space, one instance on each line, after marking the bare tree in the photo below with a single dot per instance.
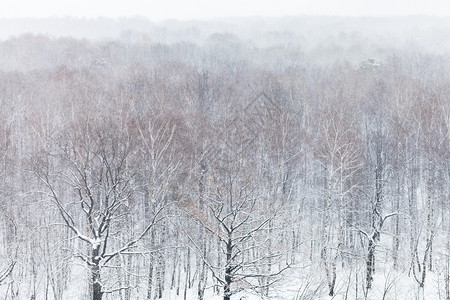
90 174
338 150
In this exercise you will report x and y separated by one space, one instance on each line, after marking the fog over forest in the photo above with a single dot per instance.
293 158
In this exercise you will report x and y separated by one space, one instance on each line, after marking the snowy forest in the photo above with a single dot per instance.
287 159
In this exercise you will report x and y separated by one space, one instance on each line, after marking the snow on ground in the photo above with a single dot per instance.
299 283
309 284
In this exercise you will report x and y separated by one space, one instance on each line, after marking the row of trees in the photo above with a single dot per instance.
196 177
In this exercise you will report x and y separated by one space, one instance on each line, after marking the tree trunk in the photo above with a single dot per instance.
150 269
202 267
178 280
187 273
396 236
160 276
333 279
370 264
330 273
150 280
128 277
97 292
228 271
430 211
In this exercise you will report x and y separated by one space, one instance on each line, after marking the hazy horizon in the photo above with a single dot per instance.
419 28
207 10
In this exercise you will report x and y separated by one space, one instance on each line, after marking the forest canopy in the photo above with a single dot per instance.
289 158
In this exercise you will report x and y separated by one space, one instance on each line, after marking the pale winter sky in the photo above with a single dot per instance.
206 9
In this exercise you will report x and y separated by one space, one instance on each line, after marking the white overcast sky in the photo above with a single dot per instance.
206 9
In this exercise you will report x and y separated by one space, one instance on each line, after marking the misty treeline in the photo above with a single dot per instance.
271 42
131 170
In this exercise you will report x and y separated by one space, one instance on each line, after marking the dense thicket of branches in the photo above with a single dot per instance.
134 168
